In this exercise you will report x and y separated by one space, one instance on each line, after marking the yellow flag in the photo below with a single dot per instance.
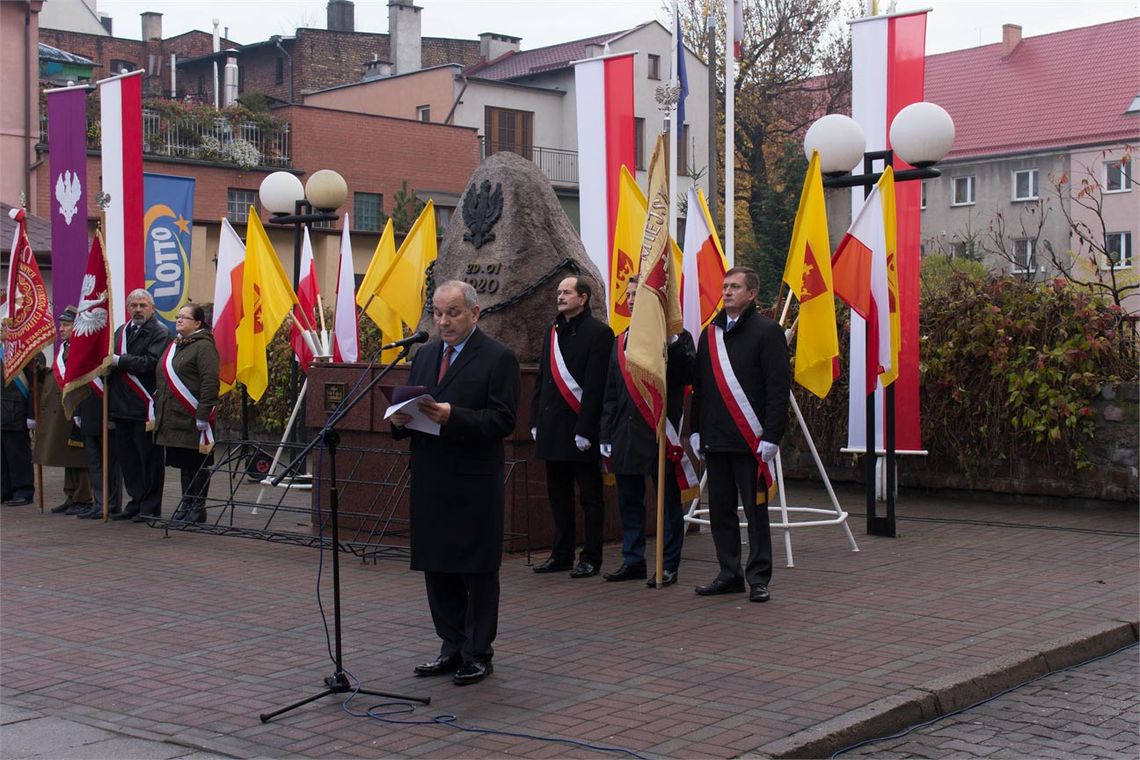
658 312
267 298
378 311
890 234
401 287
808 275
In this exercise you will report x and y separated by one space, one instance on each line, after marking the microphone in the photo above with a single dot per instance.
411 340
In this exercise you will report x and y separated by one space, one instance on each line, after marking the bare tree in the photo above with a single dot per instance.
1015 239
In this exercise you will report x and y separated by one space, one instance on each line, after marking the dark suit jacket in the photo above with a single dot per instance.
585 343
144 351
457 476
758 353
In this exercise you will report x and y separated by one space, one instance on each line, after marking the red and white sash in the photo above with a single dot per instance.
567 385
739 408
59 366
684 471
136 385
188 399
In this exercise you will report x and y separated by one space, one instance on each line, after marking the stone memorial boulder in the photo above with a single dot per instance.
510 239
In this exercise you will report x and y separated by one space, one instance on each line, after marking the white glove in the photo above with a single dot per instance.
31 423
606 449
115 359
202 425
767 451
695 444
78 421
582 443
534 434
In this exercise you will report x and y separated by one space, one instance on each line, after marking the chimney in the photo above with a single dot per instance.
492 45
151 26
404 42
230 93
341 16
106 22
1010 39
376 69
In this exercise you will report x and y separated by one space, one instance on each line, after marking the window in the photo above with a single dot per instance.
1118 246
962 249
1024 256
922 195
119 65
442 219
280 74
238 202
963 191
507 129
366 211
423 113
639 143
1025 185
1117 176
683 151
654 66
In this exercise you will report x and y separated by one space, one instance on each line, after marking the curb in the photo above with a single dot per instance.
945 695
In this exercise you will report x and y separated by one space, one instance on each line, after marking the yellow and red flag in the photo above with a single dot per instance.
227 304
401 286
391 328
629 227
267 299
808 275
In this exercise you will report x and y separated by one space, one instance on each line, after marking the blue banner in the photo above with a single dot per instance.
168 213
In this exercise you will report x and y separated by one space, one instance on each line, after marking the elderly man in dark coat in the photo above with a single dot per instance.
58 440
457 489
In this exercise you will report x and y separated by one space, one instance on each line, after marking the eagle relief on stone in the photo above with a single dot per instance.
91 316
68 191
480 212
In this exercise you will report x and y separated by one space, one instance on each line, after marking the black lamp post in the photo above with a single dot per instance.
921 134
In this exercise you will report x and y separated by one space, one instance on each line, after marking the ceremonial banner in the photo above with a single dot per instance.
121 123
67 162
29 321
267 298
93 335
887 74
391 328
703 269
345 336
168 219
606 143
227 304
308 298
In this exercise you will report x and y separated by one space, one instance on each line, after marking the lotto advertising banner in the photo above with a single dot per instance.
168 208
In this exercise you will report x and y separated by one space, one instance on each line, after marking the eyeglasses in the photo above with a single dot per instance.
183 316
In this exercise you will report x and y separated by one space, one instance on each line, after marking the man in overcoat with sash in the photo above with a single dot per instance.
457 489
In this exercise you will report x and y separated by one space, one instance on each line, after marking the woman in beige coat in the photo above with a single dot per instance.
186 394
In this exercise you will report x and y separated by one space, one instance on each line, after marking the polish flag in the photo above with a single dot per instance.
888 74
702 272
737 27
308 297
227 303
606 142
345 340
120 100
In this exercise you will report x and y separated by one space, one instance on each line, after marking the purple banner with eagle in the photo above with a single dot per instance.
168 211
67 162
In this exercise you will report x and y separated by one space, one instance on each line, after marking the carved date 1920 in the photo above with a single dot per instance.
483 277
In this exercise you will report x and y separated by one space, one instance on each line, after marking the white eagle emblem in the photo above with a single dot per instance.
67 192
88 318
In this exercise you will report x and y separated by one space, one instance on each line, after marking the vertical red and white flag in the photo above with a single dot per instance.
888 74
120 99
227 303
308 298
93 334
737 27
30 325
703 268
606 142
345 338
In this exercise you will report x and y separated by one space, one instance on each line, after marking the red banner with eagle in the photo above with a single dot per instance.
93 335
29 325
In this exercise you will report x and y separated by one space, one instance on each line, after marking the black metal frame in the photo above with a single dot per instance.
880 526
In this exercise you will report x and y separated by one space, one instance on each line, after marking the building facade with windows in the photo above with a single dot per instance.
1040 176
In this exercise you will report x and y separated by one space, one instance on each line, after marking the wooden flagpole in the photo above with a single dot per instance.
659 560
106 392
36 417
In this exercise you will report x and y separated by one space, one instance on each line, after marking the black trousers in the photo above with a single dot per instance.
93 445
143 466
465 610
194 470
17 479
560 480
730 477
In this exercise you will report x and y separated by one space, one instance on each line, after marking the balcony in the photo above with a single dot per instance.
557 165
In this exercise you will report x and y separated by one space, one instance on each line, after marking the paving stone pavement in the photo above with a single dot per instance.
184 638
1090 711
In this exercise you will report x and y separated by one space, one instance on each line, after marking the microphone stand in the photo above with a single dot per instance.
338 682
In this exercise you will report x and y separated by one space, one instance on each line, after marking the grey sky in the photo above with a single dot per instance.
953 24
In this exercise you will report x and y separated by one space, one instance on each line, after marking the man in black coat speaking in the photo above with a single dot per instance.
566 415
457 487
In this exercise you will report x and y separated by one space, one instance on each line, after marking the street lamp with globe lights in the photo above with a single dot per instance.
921 134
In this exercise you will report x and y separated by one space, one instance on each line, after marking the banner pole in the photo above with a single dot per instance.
106 391
659 560
36 417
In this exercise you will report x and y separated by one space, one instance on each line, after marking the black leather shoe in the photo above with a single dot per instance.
96 513
668 578
584 570
18 501
441 666
551 565
124 515
61 508
77 509
472 672
759 593
627 573
721 586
